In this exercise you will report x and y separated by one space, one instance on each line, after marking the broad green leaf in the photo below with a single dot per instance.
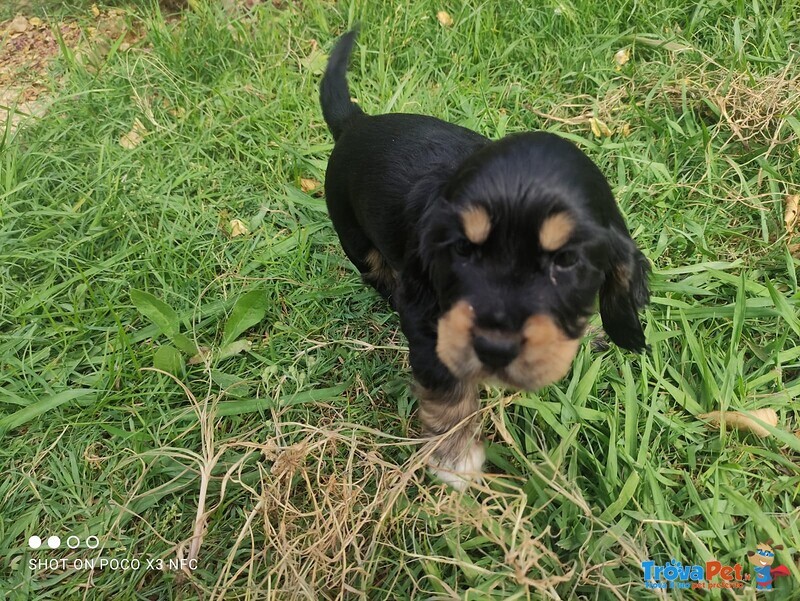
248 310
185 344
231 385
157 311
168 359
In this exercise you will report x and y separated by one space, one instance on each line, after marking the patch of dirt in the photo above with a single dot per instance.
29 46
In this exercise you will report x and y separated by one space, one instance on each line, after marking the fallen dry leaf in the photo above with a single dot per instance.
308 184
203 353
134 137
238 228
444 18
790 212
600 129
19 24
622 56
743 420
315 61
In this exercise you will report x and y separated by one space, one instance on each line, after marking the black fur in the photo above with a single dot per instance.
337 108
398 184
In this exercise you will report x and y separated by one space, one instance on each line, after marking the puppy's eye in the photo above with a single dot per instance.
566 259
464 248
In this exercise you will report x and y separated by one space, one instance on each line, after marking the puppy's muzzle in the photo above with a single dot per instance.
496 348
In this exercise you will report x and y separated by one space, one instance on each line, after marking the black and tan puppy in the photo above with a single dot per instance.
492 252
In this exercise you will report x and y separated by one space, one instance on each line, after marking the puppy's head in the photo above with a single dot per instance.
524 238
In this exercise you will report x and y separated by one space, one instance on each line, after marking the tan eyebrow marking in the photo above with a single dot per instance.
477 224
555 231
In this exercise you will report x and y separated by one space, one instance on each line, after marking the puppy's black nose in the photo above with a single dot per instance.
496 350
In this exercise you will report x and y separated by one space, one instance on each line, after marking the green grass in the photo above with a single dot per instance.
295 461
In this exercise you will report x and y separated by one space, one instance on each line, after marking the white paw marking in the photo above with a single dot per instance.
458 472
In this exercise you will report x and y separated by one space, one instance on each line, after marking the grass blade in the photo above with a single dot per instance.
37 408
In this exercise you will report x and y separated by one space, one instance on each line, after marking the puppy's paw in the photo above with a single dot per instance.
458 471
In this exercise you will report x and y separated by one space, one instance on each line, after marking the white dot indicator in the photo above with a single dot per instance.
34 542
54 542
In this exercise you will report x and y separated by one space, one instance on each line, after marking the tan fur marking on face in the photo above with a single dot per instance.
454 340
457 454
477 224
555 231
546 356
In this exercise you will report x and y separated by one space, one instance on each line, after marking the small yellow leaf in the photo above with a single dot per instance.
238 228
600 129
790 212
444 18
743 420
178 112
308 184
134 137
622 56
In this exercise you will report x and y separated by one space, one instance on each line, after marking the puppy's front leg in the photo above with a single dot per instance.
448 407
452 416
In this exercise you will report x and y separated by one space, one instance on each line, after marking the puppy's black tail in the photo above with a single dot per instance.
337 108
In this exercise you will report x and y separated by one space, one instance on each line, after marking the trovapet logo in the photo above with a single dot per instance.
675 575
712 574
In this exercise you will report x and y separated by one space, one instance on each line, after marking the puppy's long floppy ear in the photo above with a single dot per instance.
624 292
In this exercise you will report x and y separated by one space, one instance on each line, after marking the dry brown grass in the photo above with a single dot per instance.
749 108
333 516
